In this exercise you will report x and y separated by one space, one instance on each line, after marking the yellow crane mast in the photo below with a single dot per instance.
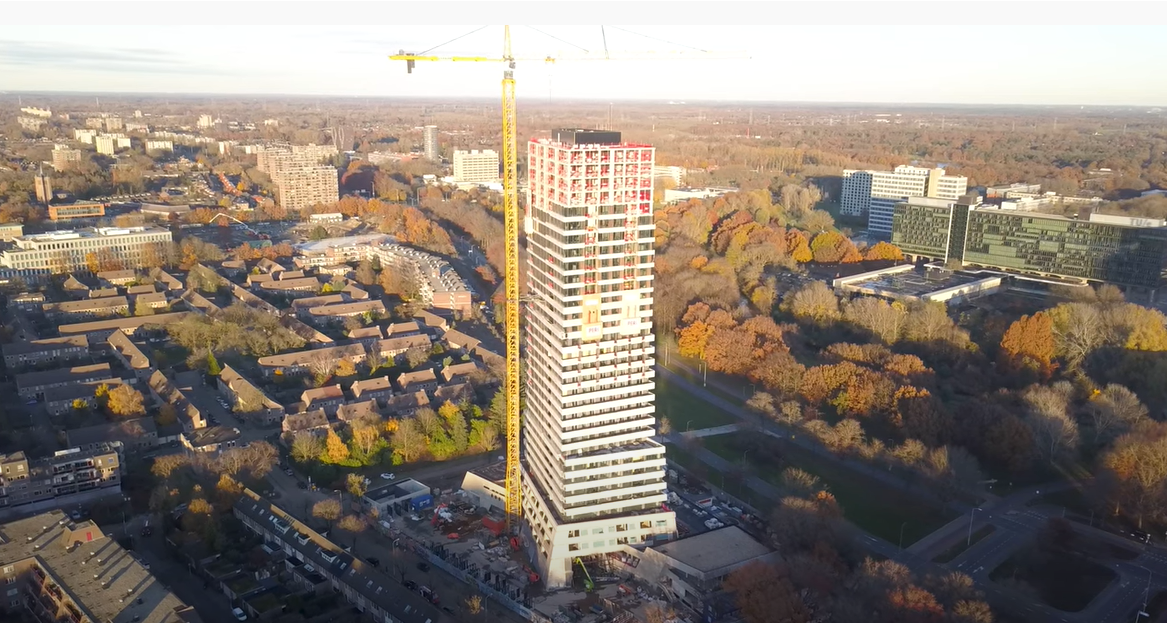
510 196
511 219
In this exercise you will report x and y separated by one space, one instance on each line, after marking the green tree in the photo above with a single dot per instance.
213 367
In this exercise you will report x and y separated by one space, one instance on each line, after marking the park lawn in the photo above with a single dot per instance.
959 547
869 504
1065 581
686 411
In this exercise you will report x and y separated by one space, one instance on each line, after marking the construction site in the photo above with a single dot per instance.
565 527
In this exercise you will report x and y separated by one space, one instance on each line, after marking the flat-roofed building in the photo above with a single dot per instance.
70 211
65 159
69 476
1038 245
41 561
694 568
69 251
11 231
475 166
875 193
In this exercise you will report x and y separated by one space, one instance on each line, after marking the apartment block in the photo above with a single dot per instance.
65 158
155 145
28 483
875 193
593 476
430 143
55 569
439 285
67 250
476 166
1097 248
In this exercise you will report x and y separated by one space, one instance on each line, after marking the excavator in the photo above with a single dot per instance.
589 585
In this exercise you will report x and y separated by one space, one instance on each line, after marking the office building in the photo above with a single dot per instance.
66 250
65 158
70 211
11 231
56 569
43 185
875 193
593 476
300 178
476 166
57 480
430 143
1107 249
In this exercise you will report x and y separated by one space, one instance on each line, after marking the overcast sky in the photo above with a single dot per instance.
973 65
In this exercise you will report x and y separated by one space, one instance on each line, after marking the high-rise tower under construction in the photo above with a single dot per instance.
593 476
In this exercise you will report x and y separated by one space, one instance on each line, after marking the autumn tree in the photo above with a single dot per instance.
355 485
335 450
306 447
408 440
814 301
764 594
1029 344
125 401
884 251
328 509
364 273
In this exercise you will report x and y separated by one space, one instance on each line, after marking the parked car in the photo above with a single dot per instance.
388 476
410 584
376 562
240 615
421 566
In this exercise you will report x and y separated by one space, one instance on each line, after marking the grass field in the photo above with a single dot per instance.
869 504
686 411
1061 579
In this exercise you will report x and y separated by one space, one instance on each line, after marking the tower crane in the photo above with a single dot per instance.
511 220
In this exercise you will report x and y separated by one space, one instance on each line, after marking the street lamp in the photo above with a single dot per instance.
687 425
971 514
902 526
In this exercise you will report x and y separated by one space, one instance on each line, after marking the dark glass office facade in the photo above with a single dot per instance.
1033 243
1028 242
